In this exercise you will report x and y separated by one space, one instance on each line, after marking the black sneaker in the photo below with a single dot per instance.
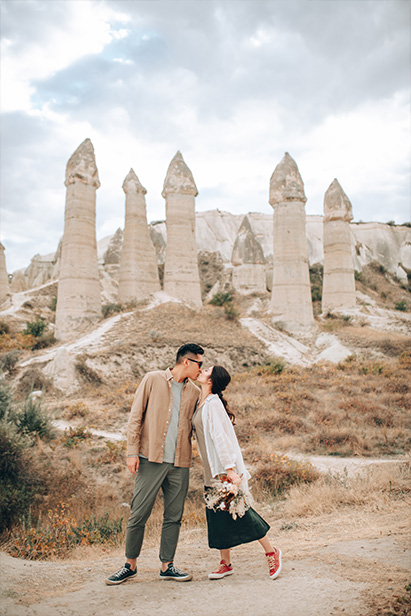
173 573
122 575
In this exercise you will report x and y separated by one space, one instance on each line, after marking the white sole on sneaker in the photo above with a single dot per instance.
218 576
187 578
277 573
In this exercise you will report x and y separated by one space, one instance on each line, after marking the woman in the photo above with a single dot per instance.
221 456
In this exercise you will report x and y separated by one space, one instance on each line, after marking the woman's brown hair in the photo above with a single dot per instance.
220 378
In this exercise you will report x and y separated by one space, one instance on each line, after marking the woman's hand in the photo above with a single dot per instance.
233 477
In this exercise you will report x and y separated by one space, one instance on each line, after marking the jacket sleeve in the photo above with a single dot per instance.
136 416
222 434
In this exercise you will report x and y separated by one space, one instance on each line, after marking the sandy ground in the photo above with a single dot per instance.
350 562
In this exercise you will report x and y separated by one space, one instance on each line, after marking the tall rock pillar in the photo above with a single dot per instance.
78 294
181 277
338 282
138 262
4 279
291 293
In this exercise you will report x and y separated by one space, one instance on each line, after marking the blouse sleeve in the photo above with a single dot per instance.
222 433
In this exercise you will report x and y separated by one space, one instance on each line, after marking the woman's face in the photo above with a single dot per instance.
205 375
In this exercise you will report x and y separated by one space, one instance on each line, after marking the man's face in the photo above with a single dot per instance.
193 366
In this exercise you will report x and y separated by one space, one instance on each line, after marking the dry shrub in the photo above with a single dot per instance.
16 341
33 379
114 453
275 474
375 488
78 409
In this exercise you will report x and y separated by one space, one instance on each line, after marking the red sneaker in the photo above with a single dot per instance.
221 572
274 563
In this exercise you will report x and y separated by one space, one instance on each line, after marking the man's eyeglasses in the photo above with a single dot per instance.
195 361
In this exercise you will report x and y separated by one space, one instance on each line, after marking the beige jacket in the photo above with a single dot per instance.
150 415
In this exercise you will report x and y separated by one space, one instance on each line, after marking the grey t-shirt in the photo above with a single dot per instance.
171 438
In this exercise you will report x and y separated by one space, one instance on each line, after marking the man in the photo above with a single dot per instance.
159 455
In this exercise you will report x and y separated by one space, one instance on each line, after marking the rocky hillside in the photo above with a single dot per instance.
224 239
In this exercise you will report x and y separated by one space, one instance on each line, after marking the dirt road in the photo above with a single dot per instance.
326 571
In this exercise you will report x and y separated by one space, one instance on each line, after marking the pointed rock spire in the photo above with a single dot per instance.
338 275
138 262
291 292
78 292
337 205
82 167
4 279
132 183
247 249
179 178
286 183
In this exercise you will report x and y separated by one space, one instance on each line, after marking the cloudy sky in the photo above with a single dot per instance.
232 84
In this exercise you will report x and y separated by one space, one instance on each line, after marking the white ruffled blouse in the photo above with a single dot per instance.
223 450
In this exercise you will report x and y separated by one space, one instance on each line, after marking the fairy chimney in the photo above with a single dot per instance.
138 262
78 295
248 261
181 277
4 279
291 292
338 282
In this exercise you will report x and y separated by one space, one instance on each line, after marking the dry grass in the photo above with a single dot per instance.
356 408
373 489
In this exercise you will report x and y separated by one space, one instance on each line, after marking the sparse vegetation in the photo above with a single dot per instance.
222 298
109 309
36 328
401 305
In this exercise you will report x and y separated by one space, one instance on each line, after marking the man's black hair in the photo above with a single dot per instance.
189 349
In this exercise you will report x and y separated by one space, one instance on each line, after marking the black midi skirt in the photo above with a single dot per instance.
224 532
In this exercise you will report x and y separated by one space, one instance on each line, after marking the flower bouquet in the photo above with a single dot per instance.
226 496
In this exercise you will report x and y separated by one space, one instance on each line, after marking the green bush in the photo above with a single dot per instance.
18 479
109 309
222 299
32 419
36 328
401 305
53 303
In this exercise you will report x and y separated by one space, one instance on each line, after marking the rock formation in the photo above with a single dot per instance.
4 279
338 282
248 261
138 263
181 277
18 282
78 295
291 292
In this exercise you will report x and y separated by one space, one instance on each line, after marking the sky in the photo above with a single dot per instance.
232 84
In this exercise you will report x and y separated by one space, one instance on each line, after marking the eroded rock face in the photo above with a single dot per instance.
248 261
18 282
286 183
113 253
4 279
78 296
138 263
62 371
338 282
291 291
181 277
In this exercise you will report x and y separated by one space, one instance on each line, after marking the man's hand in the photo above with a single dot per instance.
133 463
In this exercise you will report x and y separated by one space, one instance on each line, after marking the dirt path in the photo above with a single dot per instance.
333 565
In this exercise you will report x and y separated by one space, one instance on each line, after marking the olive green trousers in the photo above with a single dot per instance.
173 482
